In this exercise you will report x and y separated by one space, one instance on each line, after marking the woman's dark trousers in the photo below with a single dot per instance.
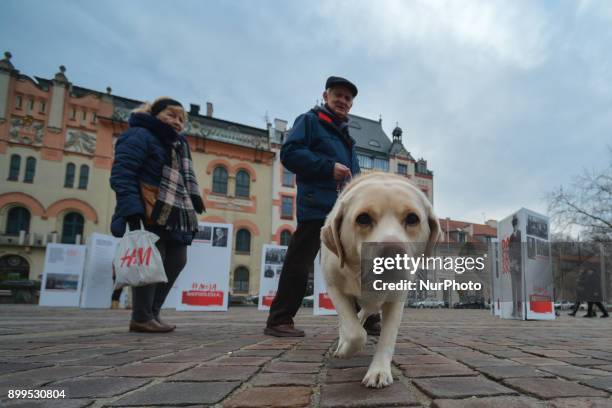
116 294
148 300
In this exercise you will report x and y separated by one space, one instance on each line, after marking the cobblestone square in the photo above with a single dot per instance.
444 358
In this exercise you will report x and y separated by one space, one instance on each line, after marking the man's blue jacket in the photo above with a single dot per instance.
313 146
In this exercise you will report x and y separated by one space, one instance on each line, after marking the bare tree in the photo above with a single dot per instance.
586 204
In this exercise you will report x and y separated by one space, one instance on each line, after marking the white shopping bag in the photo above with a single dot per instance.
137 260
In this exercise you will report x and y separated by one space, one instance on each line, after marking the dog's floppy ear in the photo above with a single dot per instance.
330 233
435 231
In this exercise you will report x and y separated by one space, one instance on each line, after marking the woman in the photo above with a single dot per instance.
155 184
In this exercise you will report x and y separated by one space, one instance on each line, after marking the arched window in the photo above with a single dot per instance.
243 241
73 226
83 177
69 179
220 180
243 182
285 237
241 279
15 167
18 219
14 267
30 170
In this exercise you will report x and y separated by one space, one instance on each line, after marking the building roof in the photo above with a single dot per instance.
470 228
480 229
205 126
6 64
398 149
198 125
369 135
452 225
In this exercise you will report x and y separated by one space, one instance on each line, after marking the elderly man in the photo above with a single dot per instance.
320 151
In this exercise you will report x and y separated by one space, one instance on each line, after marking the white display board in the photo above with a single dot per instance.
62 275
272 259
204 282
322 303
525 283
539 282
98 271
511 295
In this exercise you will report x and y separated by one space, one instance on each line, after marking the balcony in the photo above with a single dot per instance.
35 240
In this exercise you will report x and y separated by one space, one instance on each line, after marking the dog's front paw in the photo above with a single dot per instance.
344 349
351 343
378 377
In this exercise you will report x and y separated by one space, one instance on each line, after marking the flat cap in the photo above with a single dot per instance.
339 81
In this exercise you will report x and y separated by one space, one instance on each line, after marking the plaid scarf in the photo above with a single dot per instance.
179 197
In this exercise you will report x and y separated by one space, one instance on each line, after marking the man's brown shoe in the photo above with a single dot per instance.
148 327
171 327
283 330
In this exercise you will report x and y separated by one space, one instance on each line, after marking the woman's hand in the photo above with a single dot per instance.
134 221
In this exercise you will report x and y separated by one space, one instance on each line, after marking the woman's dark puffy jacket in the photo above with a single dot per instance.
140 154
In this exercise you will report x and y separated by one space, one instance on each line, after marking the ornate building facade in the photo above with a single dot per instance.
56 145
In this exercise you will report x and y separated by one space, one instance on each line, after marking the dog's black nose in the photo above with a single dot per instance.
391 249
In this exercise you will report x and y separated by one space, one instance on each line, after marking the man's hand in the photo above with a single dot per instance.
341 172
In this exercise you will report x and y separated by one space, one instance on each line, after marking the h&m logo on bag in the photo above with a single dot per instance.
136 256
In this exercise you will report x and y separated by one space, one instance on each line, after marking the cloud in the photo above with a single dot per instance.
504 99
513 33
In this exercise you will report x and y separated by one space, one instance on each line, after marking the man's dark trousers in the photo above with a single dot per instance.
299 262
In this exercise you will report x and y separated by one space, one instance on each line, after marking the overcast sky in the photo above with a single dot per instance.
504 99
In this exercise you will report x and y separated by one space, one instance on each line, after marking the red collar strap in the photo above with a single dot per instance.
324 117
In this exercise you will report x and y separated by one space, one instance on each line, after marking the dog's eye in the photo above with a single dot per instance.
364 219
412 219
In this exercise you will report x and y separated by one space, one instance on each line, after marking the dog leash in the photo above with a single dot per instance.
341 184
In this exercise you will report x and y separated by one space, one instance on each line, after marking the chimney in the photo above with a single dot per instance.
194 109
491 223
270 131
209 109
280 125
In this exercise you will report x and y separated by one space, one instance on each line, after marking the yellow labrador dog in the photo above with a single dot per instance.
376 207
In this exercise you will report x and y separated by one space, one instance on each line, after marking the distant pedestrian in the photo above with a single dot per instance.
591 312
588 288
581 292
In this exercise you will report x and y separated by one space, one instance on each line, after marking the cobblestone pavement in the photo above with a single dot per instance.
443 359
